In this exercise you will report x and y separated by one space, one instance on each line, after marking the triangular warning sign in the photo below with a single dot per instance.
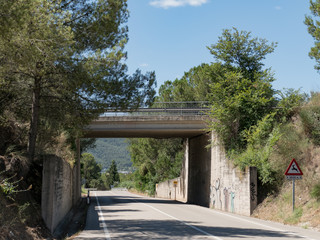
293 169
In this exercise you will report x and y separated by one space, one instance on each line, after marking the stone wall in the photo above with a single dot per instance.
57 190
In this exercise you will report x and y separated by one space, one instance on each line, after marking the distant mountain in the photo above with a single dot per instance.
108 149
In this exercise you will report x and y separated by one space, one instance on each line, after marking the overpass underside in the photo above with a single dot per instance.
207 177
197 166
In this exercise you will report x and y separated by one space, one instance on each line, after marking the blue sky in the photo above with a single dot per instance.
171 36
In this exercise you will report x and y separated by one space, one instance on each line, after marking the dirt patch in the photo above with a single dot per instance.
21 220
278 208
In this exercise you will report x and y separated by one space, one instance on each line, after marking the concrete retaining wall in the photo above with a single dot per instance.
57 190
170 190
209 179
232 190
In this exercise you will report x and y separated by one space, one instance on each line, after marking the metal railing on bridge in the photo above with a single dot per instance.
163 109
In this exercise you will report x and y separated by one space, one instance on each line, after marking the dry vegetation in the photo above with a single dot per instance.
299 141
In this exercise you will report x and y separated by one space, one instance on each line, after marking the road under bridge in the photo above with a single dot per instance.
207 177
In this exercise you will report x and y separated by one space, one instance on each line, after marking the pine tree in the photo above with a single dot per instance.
62 61
112 174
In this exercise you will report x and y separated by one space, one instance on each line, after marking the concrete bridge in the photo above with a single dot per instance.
207 178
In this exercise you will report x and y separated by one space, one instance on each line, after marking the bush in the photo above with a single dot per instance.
315 192
127 184
261 139
310 117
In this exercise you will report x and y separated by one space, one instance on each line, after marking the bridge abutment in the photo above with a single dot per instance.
61 188
199 170
211 180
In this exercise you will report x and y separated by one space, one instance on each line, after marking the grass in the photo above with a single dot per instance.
294 218
84 192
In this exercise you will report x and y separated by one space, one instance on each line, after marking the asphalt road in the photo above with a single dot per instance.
122 215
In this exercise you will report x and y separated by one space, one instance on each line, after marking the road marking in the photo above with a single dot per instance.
168 215
185 223
264 225
104 225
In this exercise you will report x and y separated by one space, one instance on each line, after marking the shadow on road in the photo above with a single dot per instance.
151 229
170 229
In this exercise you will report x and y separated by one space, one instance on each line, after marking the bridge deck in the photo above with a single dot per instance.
147 126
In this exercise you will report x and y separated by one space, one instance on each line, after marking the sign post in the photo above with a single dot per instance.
293 172
175 183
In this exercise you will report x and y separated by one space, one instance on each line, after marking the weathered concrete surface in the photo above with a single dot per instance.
210 179
76 182
199 170
232 190
57 190
170 190
147 126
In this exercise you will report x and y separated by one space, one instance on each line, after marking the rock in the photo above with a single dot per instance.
15 165
2 164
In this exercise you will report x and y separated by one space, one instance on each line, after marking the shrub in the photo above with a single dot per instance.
310 117
261 139
315 192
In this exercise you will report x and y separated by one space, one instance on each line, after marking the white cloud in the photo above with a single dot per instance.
176 3
143 65
278 8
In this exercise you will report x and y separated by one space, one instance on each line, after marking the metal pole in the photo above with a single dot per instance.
175 193
293 193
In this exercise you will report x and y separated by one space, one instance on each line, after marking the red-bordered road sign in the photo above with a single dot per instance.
293 169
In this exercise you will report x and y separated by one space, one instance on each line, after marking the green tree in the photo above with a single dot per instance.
193 86
313 29
112 174
244 94
90 170
63 60
156 160
240 50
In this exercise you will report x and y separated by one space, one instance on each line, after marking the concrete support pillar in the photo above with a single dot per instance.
185 171
199 174
253 188
76 176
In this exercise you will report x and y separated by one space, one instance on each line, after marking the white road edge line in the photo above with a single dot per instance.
104 225
168 215
264 225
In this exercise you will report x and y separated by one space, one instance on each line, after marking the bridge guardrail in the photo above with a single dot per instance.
163 109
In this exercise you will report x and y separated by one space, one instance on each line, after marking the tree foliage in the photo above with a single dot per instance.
112 175
237 103
156 160
90 170
62 63
240 50
313 25
193 86
243 95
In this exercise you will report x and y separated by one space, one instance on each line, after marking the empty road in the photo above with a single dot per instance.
122 215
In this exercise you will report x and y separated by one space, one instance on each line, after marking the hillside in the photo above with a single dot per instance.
296 142
108 149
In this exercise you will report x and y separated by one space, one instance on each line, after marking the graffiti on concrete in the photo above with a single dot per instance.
222 197
232 195
253 192
216 195
228 199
